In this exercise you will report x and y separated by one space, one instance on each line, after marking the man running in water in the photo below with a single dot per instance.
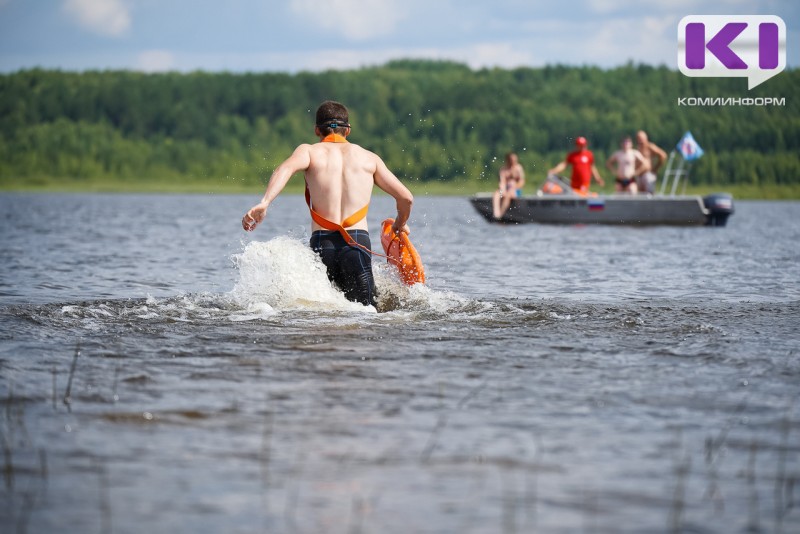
648 176
583 168
339 178
629 164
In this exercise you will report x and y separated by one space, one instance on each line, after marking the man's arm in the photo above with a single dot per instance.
298 161
387 181
558 168
660 154
610 161
597 177
642 163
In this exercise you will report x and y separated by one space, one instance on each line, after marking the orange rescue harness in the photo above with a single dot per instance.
349 221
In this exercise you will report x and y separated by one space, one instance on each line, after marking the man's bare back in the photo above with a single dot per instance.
340 176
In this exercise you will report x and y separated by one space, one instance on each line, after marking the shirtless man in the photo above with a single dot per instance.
512 179
339 178
629 164
646 180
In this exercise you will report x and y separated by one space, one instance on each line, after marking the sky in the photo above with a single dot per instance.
316 35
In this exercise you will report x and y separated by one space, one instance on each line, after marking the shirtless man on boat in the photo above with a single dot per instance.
626 164
646 180
510 183
339 178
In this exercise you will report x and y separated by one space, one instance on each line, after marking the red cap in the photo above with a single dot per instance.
580 141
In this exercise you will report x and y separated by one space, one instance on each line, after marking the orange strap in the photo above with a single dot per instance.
330 225
334 138
350 221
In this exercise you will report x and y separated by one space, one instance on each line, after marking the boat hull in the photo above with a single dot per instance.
612 209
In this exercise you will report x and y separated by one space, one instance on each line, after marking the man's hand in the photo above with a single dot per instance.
254 216
397 229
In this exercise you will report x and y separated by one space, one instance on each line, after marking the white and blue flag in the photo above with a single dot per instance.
689 148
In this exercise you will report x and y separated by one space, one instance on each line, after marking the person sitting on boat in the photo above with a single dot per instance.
339 179
646 180
510 184
626 164
583 168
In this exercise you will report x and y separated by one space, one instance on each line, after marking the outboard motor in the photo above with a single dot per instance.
720 207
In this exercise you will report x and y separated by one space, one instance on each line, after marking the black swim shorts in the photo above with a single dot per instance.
349 267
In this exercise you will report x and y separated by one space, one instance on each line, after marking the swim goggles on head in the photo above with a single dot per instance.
333 124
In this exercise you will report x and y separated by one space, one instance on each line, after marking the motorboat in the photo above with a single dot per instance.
557 203
682 210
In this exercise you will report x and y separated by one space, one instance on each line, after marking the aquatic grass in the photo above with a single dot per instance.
7 439
507 486
54 372
750 476
14 437
784 484
682 468
714 447
104 504
68 392
441 421
114 395
265 456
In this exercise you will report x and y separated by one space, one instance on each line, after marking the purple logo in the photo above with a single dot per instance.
750 46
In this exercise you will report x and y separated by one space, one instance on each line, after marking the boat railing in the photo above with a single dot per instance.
676 171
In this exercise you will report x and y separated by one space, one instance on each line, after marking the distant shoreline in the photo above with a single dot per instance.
462 188
440 126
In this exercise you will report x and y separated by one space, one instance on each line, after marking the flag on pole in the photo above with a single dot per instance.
689 148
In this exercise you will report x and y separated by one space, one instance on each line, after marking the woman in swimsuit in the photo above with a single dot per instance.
512 179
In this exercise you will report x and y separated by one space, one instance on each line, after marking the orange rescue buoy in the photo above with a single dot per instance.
552 188
401 253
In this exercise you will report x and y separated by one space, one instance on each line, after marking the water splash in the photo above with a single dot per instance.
275 279
284 273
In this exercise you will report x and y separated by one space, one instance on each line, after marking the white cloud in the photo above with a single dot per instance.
643 40
686 7
355 20
492 54
155 61
650 40
105 17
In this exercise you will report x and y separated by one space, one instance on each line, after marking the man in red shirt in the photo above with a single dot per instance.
583 168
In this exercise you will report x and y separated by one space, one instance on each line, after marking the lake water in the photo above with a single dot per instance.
163 371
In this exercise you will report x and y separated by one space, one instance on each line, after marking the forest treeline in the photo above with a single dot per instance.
429 120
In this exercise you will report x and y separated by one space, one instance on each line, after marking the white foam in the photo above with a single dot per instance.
284 274
394 295
259 310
